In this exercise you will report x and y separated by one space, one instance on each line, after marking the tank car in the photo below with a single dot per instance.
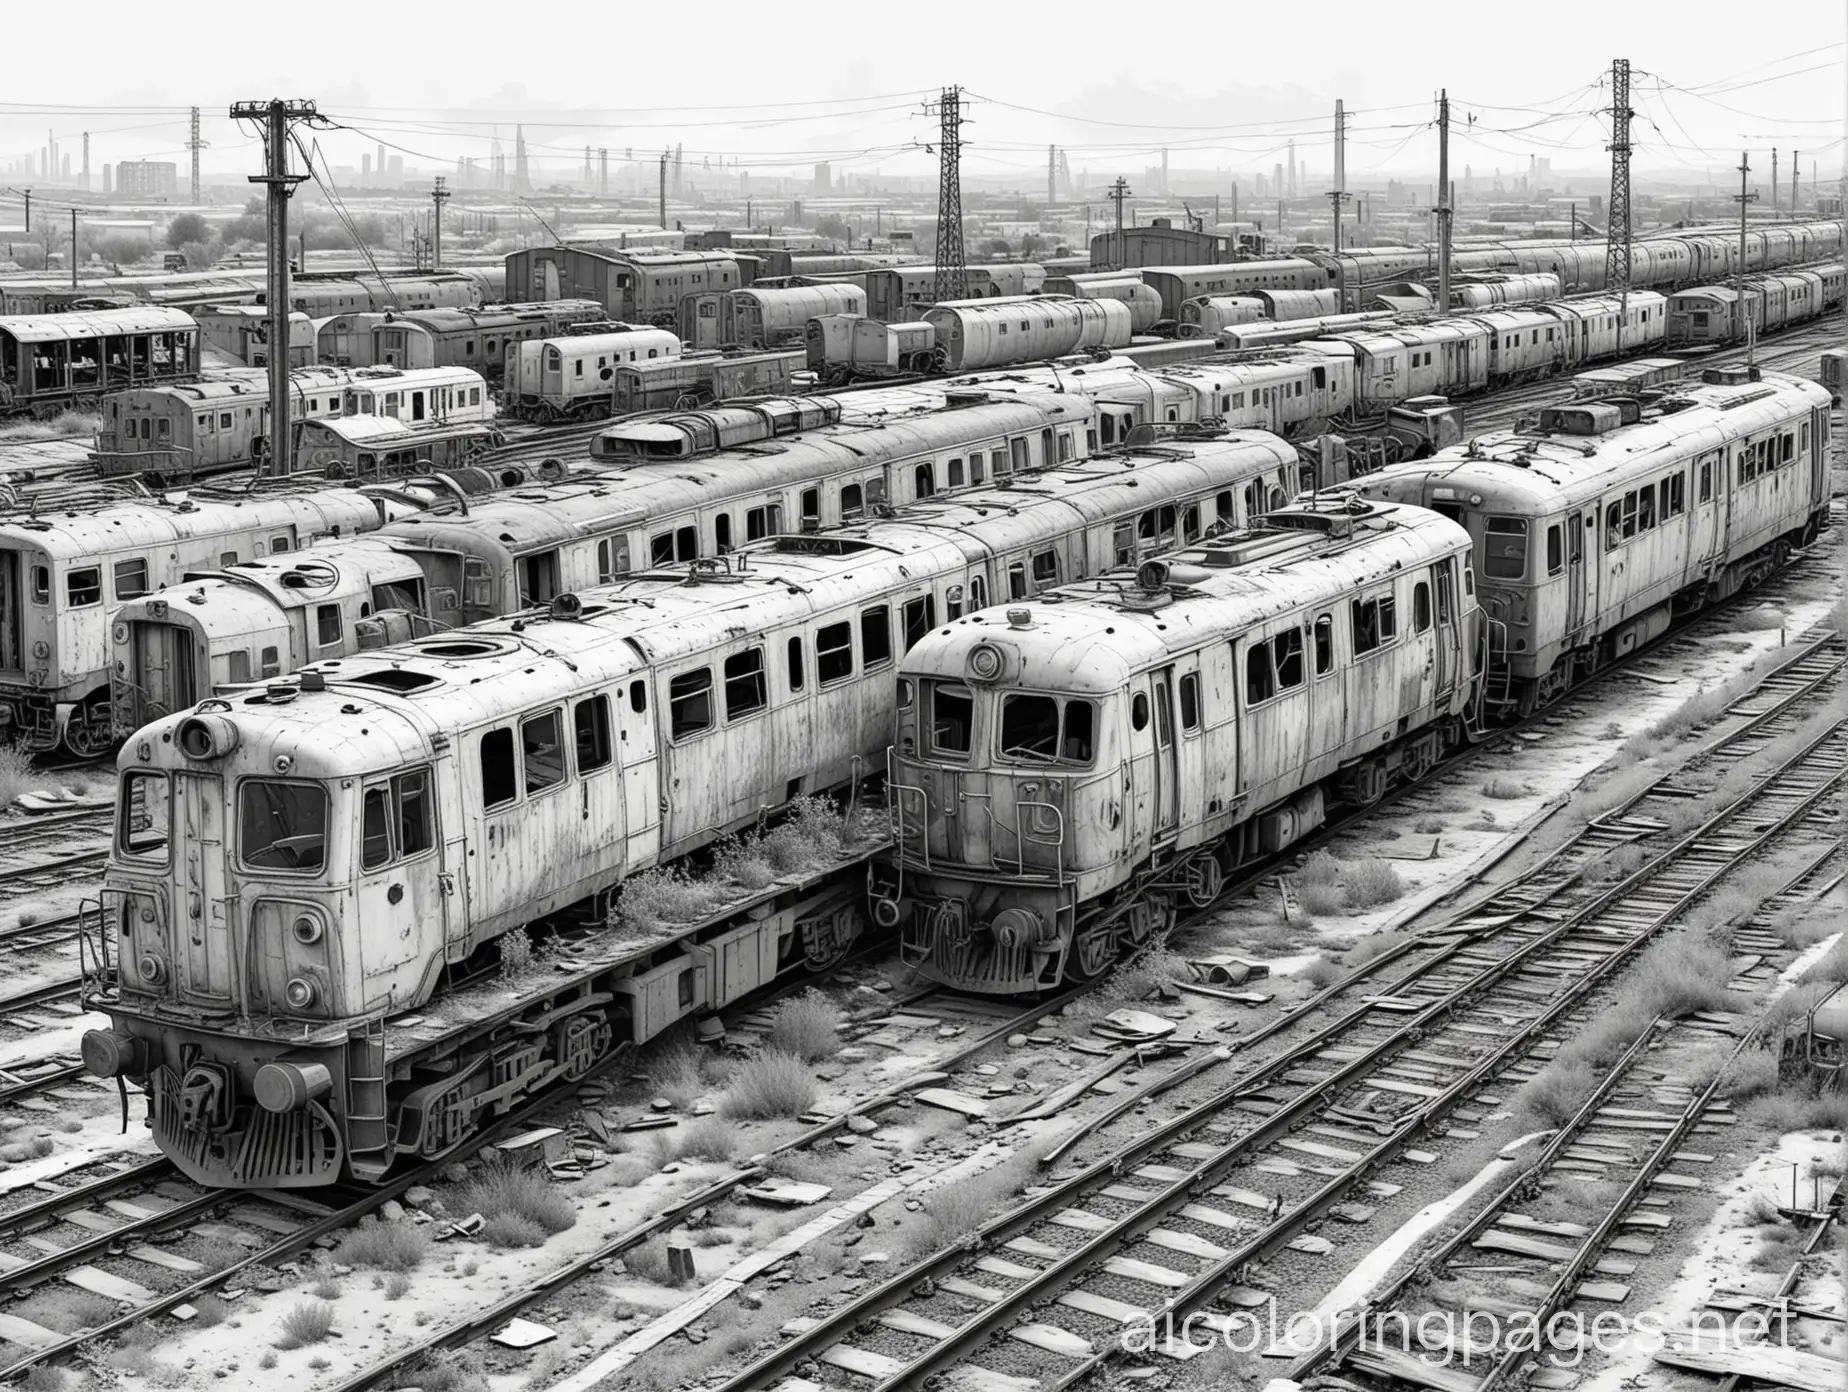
972 337
1132 740
60 576
53 361
574 376
1143 300
371 831
679 488
1598 529
1490 291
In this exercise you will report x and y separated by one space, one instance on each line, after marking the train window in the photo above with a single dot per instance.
144 815
375 836
497 780
1790 447
721 533
590 719
689 703
763 521
282 825
1324 644
1674 496
1190 703
746 691
1156 526
952 715
1017 581
875 636
1190 522
796 676
853 502
926 478
612 559
834 652
811 508
82 587
661 549
271 663
1421 607
1045 569
204 422
1065 445
224 420
1375 623
1287 648
1123 544
227 558
920 618
1029 727
956 473
1555 550
638 697
977 474
1505 548
1645 509
131 579
327 624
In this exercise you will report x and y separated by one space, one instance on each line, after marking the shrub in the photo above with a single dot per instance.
647 1261
212 1311
953 1210
16 775
516 949
1504 789
1752 1076
675 1072
512 1230
708 1138
1553 1097
1371 883
1319 868
307 1323
326 1290
446 1371
1319 901
655 899
771 1085
42 1377
397 1286
384 1246
1323 972
742 861
268 1360
1429 826
507 1191
807 1026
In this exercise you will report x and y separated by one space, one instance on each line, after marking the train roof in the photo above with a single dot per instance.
387 431
95 323
133 525
1090 638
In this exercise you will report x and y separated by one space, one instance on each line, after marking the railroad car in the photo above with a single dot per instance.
19 297
472 338
1610 520
1710 314
699 379
1176 284
764 317
1814 1045
573 376
1065 774
358 839
897 293
631 287
1206 315
196 428
973 337
319 295
678 488
53 361
1488 291
1143 300
241 333
61 575
370 448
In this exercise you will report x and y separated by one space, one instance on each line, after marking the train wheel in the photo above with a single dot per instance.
86 733
1092 952
1204 879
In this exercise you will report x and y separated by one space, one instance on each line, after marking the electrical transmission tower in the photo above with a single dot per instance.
1617 247
195 144
952 281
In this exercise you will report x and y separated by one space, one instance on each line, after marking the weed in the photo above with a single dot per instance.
384 1247
42 1377
1319 901
470 1267
1613 731
43 1146
1799 1110
709 1138
66 425
267 1361
446 1372
1323 972
807 1026
326 1290
1318 868
16 775
516 949
1778 1254
772 1084
675 1071
657 898
144 1335
647 1261
1142 978
512 1230
1503 789
397 1286
1429 826
307 1323
212 1311
507 1191
71 1311
954 1210
1371 883
1552 1098
742 861
320 1364
1752 1076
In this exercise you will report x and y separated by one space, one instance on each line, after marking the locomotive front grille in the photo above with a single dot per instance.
296 1149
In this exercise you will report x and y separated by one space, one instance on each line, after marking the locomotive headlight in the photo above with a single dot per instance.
307 930
985 662
282 763
300 993
119 633
152 969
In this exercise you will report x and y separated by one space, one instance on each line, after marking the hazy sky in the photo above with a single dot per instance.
1221 85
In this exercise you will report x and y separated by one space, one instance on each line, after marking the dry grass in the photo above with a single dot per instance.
307 1323
516 1203
1323 972
212 1310
1429 826
1754 1075
1318 868
707 1138
66 425
1799 1109
1552 1098
42 1377
953 1210
397 1285
656 899
1372 882
773 1084
1505 789
445 1371
68 1310
384 1246
516 949
808 1026
1142 978
647 1261
16 774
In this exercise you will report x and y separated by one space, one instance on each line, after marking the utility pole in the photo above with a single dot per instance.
664 190
1796 173
1336 197
952 281
28 197
1118 194
1443 201
1617 241
1052 175
603 173
1742 198
1774 181
276 116
73 248
195 144
439 196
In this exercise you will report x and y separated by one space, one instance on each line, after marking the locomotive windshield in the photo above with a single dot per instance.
952 719
1045 730
282 825
144 816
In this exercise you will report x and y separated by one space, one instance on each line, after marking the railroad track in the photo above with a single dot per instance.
1151 1225
27 837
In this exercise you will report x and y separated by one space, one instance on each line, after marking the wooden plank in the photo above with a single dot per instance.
1408 1367
1186 1242
90 1222
1318 1149
172 1261
1678 1181
1128 1193
865 1362
1409 1089
907 1323
1103 1306
955 1285
1162 1174
1250 1198
1145 1271
970 1377
1213 1218
1522 1223
1031 1247
1498 1240
1053 1339
1081 1219
994 1266
952 1101
111 1287
27 1334
1809 1372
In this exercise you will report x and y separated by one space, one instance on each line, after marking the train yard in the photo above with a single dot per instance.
1005 796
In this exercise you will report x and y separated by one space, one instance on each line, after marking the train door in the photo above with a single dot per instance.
202 948
1188 744
641 775
10 617
1448 653
1167 780
1272 674
1575 573
398 888
1707 527
1813 439
538 578
161 661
